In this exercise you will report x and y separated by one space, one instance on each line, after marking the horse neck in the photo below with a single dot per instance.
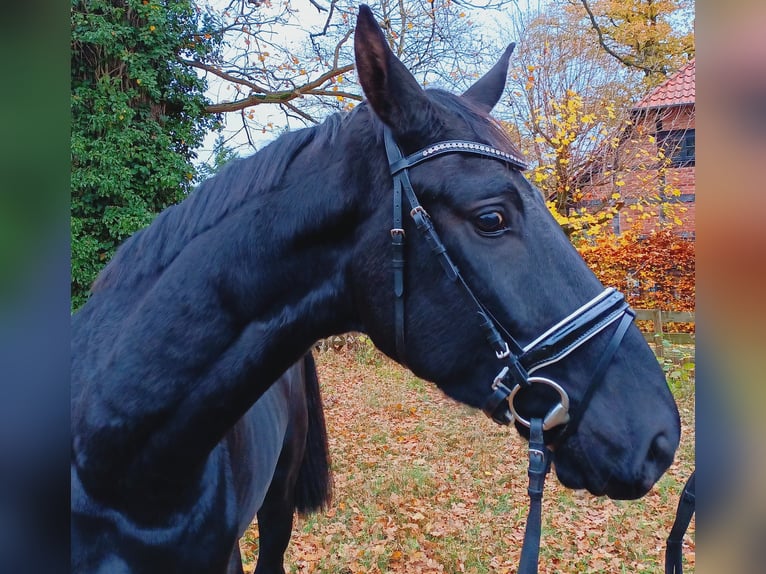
234 310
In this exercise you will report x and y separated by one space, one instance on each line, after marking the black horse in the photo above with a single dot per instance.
199 314
301 481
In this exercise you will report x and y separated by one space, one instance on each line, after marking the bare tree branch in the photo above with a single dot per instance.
283 96
332 93
300 113
224 75
318 6
281 52
339 45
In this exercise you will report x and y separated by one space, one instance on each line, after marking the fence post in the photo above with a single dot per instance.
659 348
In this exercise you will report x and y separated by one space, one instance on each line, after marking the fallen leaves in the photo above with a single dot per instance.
425 485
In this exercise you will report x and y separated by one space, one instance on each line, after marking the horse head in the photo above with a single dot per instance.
482 264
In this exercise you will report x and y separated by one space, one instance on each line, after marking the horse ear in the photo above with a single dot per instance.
487 90
394 93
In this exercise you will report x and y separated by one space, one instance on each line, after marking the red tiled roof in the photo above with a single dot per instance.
676 90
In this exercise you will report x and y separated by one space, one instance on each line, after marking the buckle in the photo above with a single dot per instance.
500 379
397 231
505 353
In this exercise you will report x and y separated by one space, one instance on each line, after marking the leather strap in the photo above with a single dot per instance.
539 465
598 376
398 238
684 513
456 146
553 345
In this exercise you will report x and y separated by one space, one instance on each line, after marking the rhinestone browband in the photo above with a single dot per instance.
458 146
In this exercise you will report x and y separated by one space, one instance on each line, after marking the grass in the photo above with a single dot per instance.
423 484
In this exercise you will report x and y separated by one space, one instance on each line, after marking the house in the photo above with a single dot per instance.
651 163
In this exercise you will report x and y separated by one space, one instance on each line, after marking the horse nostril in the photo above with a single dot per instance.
661 451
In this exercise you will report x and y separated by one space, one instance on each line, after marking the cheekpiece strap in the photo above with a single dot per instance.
398 237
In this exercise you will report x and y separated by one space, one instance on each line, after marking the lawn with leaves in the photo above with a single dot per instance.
423 484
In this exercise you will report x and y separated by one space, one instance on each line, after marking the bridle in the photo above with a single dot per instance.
519 362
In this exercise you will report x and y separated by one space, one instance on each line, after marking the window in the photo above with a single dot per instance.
678 146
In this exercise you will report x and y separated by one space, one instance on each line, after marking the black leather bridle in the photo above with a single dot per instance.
519 362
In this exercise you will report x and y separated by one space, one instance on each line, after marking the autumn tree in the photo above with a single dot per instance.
567 101
652 36
571 108
655 270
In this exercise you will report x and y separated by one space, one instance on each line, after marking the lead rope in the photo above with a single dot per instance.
673 556
539 465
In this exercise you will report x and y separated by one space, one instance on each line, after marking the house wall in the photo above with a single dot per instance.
635 163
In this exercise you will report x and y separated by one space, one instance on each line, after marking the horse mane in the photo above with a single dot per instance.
151 249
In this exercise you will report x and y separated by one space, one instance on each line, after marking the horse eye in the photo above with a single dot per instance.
491 223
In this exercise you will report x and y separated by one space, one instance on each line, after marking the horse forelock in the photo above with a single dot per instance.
150 250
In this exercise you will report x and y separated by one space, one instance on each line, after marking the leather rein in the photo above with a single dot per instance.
518 362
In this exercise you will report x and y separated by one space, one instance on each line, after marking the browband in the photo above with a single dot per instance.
452 146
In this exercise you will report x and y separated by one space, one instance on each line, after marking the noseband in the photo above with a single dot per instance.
520 362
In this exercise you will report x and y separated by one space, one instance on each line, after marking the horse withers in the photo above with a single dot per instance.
468 281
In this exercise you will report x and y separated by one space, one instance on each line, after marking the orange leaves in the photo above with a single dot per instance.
655 271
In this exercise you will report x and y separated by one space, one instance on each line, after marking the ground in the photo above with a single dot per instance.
423 484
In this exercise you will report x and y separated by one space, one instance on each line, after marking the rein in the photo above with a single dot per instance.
520 362
686 504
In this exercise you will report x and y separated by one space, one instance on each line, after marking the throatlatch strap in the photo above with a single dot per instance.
539 465
686 504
